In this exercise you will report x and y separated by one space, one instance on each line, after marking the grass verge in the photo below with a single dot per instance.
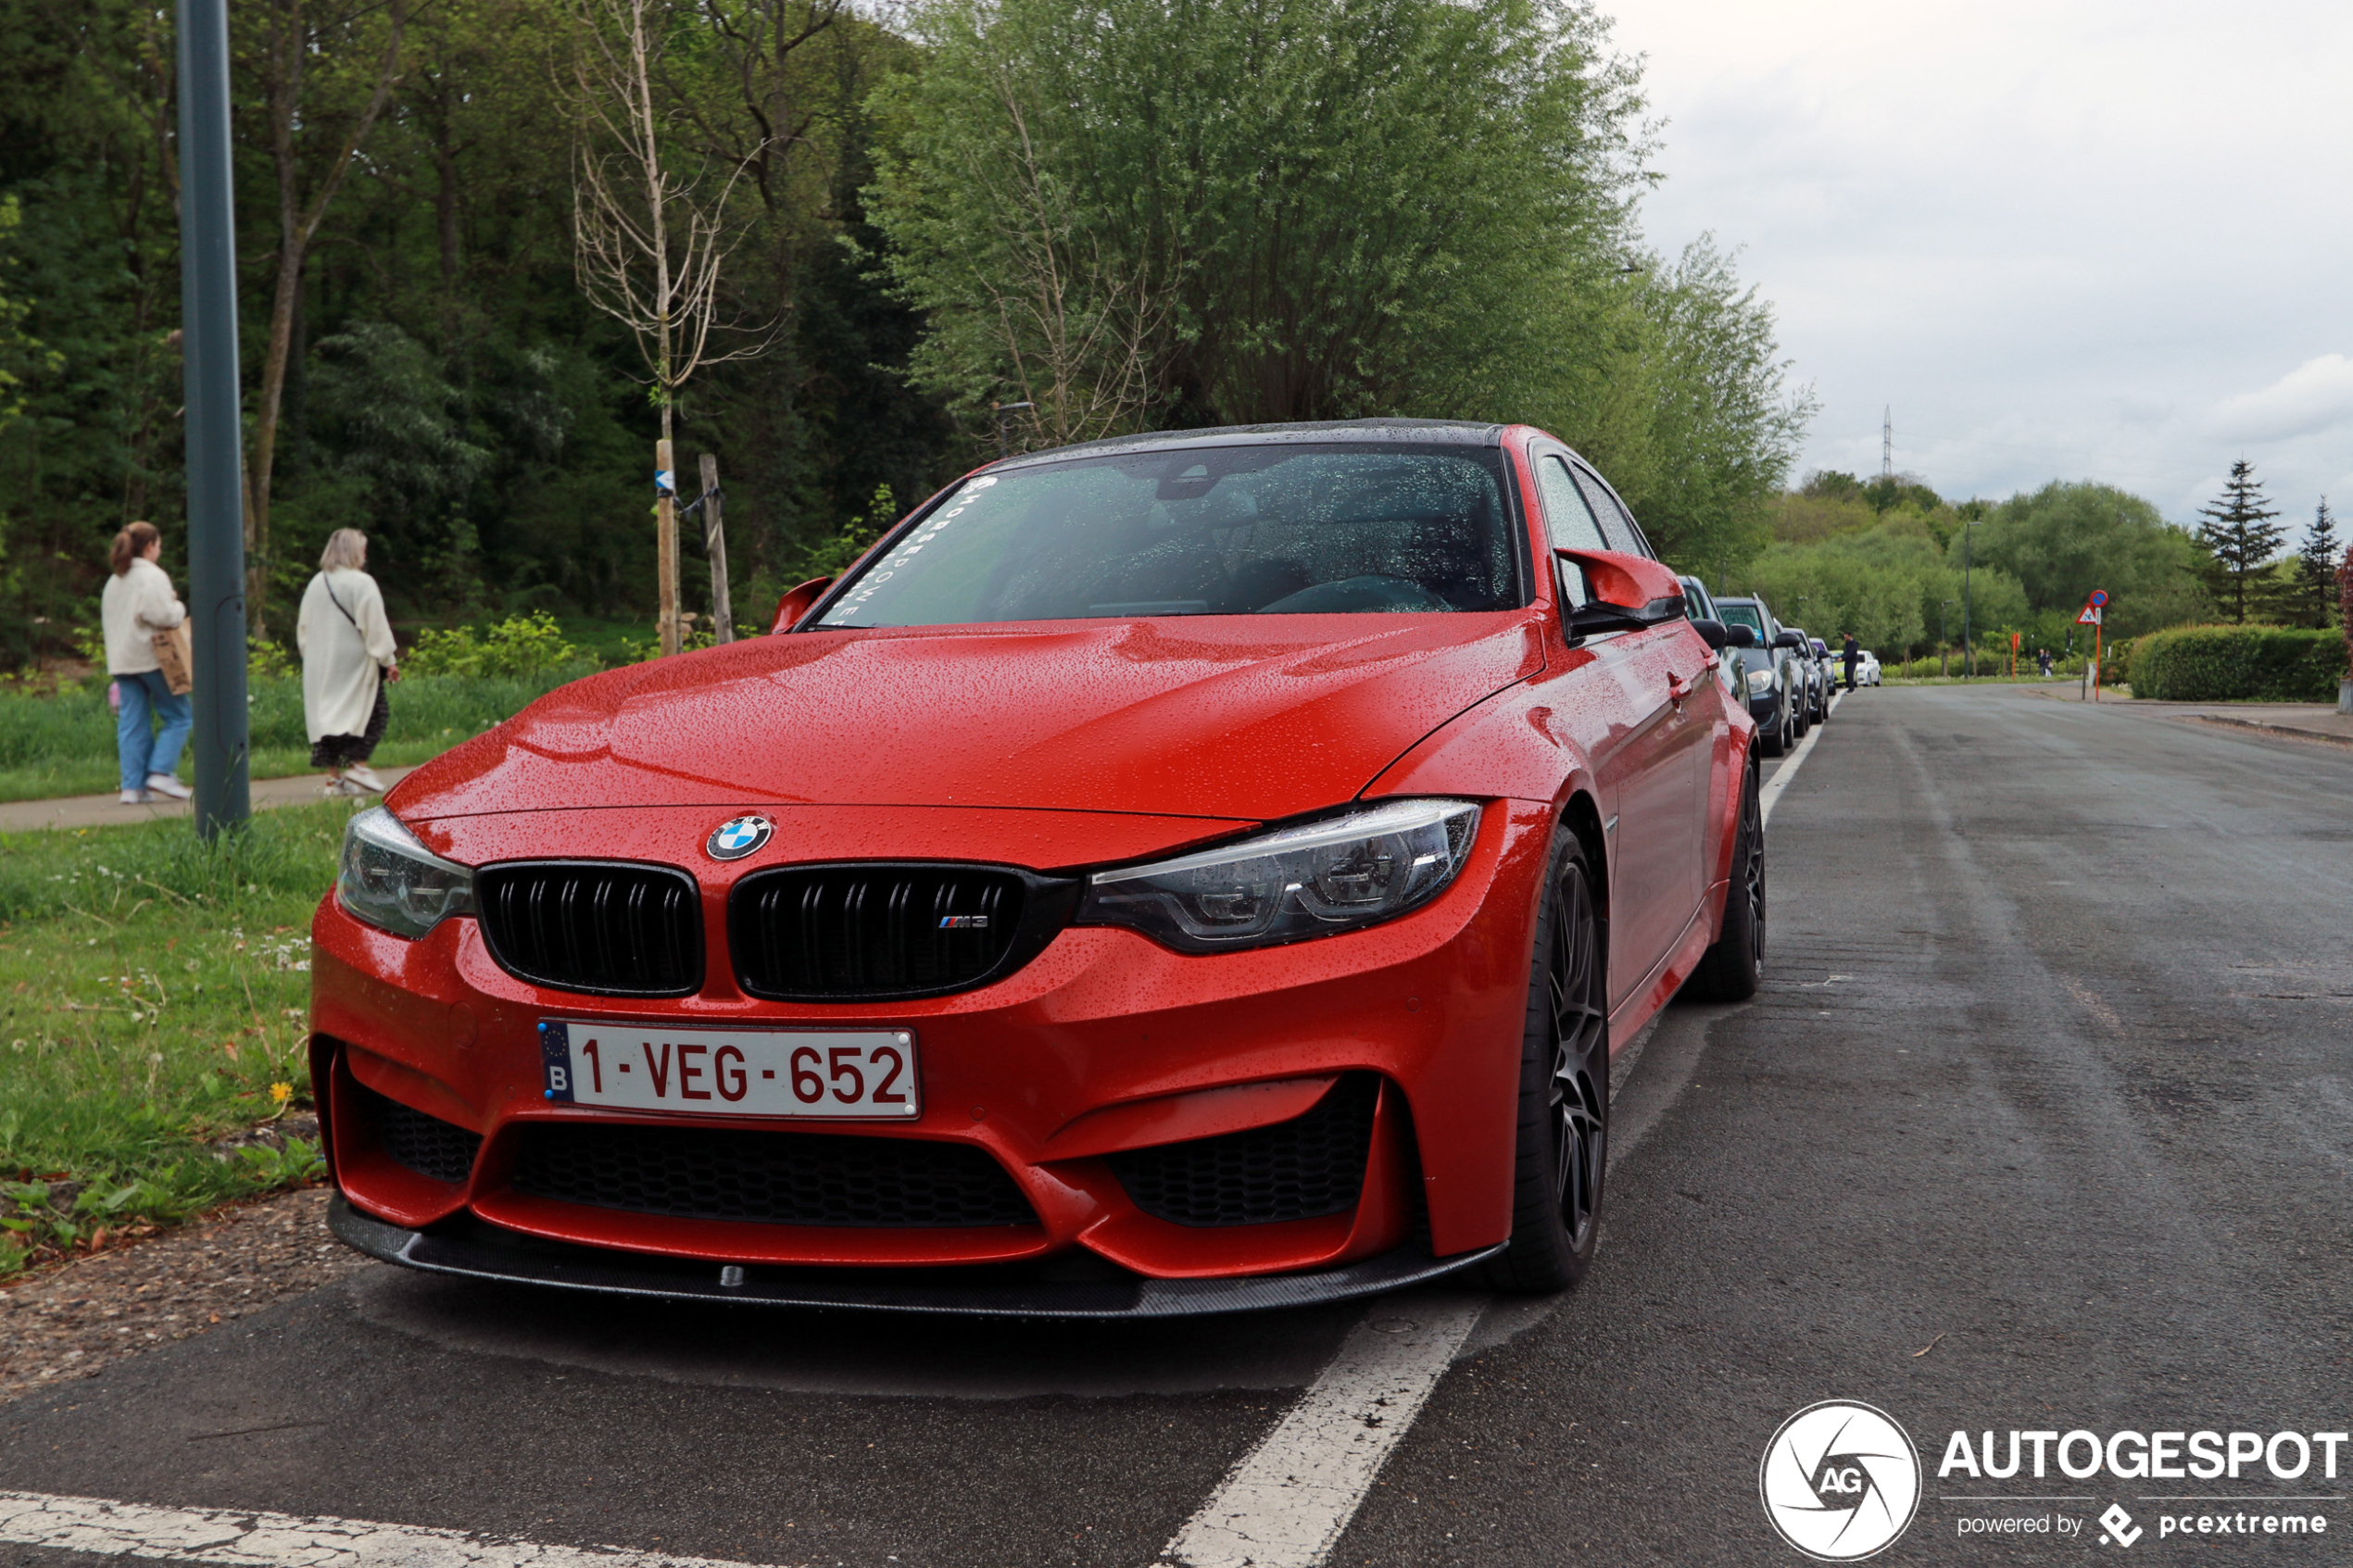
63 743
154 996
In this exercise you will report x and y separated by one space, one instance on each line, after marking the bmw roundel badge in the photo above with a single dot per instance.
739 837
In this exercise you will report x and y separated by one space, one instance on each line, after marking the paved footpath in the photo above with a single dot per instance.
2043 1120
106 811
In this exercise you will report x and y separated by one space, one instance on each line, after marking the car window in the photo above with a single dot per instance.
1616 525
1566 513
1732 614
1242 530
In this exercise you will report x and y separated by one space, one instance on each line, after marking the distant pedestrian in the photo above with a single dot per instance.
348 657
1853 652
138 604
2043 657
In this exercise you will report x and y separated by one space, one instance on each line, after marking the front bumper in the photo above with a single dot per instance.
483 1253
1104 1043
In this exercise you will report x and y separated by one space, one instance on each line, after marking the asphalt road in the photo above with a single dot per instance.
2043 1120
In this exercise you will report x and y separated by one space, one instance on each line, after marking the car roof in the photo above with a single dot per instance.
1448 433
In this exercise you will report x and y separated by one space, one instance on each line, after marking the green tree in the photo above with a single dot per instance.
2067 538
1152 214
2241 536
2316 569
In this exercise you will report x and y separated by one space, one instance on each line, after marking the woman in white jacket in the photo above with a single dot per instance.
347 655
137 604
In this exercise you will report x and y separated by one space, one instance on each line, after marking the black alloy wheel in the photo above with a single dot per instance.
1731 969
1563 1144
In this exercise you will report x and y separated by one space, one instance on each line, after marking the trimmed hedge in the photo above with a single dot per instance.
2238 663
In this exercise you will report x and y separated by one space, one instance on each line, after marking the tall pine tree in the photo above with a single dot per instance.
2316 570
2242 536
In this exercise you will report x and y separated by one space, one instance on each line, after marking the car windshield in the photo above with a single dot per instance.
1740 614
1254 529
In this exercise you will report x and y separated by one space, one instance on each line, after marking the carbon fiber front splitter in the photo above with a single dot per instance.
484 1253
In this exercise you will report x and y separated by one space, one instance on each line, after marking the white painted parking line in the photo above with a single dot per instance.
1788 770
1286 1503
242 1538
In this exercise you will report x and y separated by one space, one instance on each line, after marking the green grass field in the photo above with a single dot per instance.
154 994
64 745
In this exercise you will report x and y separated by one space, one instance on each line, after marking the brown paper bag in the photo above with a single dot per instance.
176 658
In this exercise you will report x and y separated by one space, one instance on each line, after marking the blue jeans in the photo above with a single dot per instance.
141 749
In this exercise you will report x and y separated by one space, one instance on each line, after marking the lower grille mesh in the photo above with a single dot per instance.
770 1178
1309 1166
425 1144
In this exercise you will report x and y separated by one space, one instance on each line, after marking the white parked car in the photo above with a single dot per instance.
1866 668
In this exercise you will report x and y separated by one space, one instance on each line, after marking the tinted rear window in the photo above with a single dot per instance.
1740 614
1277 530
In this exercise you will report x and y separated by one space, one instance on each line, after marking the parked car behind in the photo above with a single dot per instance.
1866 670
1827 661
1770 673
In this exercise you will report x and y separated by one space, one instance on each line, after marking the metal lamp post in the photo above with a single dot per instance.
216 498
1944 648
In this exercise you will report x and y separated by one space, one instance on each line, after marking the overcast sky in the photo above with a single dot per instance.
2104 239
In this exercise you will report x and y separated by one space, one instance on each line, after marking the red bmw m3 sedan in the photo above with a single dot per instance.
1173 874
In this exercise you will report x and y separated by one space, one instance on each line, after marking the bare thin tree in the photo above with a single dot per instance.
1078 332
650 242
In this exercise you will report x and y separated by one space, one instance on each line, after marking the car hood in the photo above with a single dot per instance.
1239 717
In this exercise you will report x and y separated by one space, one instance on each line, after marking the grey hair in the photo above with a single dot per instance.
346 550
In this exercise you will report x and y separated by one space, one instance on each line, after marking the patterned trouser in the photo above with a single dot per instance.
338 752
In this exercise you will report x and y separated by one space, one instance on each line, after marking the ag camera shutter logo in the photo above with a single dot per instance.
1839 1481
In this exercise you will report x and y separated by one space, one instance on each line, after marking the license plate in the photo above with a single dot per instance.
822 1073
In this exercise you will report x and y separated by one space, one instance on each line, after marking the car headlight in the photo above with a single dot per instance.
1314 879
1760 682
393 882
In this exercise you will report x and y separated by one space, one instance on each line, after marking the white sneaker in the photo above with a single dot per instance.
365 777
338 789
164 784
136 797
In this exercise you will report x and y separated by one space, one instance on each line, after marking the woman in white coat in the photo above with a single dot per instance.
139 603
347 655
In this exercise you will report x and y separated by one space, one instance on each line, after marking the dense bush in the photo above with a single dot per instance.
2234 663
520 646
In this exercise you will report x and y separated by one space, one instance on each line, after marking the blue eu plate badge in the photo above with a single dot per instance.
555 1060
737 836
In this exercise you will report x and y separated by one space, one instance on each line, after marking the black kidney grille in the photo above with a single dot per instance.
425 1144
770 1178
1297 1170
838 933
611 929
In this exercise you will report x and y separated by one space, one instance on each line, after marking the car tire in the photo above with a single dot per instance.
1730 967
1771 742
1562 1152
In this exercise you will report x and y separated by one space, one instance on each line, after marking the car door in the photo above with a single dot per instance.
1689 741
1641 760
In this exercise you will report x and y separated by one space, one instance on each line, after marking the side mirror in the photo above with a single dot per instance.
1629 592
1786 640
1739 636
1715 633
798 603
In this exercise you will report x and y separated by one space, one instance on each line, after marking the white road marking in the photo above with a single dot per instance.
1788 770
1286 1503
244 1538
